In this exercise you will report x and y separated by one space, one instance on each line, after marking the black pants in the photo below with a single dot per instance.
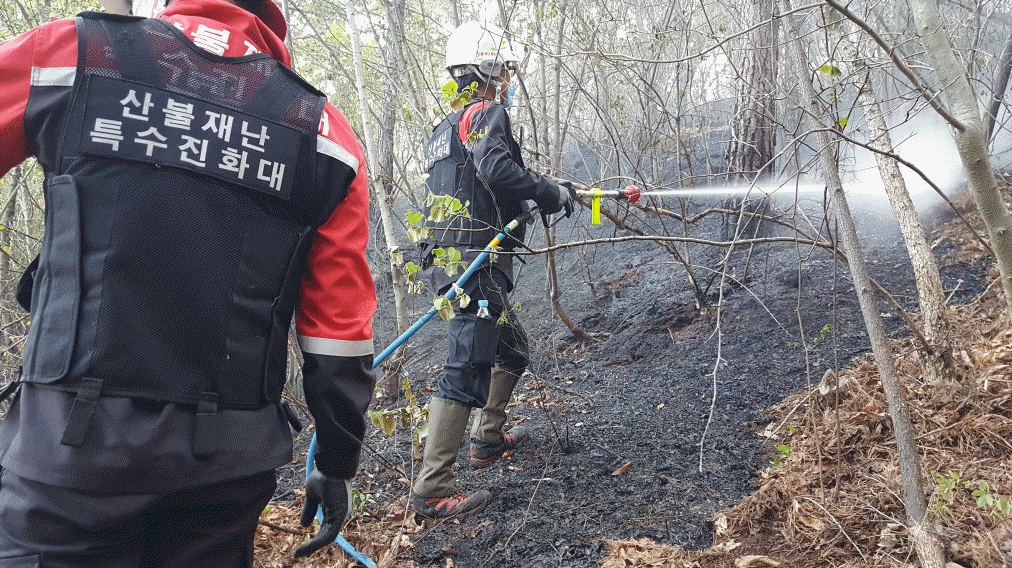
476 344
54 527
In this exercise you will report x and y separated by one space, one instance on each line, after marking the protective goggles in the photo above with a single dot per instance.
493 67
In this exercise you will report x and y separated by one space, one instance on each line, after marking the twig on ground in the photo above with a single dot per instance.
837 523
299 532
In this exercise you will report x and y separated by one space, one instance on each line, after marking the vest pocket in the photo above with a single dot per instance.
476 336
57 288
275 371
486 336
262 303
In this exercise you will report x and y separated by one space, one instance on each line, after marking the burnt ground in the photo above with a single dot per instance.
652 425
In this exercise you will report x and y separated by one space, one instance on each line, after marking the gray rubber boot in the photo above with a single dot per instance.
488 441
487 428
435 491
447 422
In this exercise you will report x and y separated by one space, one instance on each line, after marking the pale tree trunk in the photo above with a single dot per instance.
969 135
925 541
384 176
937 363
384 201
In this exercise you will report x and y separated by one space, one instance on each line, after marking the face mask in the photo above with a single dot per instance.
499 87
510 91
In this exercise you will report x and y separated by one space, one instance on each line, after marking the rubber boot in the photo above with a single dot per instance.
435 492
488 441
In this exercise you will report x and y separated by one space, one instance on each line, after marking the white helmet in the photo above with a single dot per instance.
146 8
123 7
479 48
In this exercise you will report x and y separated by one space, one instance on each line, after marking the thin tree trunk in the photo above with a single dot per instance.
969 135
10 209
555 151
1000 84
390 387
937 363
542 143
751 149
925 541
393 55
553 290
555 147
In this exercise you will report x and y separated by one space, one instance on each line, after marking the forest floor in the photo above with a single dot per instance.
671 439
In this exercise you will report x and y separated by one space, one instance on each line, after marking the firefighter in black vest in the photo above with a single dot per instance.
474 157
198 195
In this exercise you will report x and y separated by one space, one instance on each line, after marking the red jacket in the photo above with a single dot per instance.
333 316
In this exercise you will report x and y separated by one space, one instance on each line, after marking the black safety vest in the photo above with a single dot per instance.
177 225
451 171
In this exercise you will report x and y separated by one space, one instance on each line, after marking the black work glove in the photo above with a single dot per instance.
556 198
567 196
334 495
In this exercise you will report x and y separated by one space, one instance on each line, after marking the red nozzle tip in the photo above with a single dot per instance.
632 193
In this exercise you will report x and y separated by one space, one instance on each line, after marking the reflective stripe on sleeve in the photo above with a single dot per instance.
336 347
53 76
330 148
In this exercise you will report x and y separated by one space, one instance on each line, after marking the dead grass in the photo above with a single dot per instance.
382 534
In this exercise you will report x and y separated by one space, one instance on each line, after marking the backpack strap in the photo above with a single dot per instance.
467 116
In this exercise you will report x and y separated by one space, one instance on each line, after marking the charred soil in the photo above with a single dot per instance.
645 433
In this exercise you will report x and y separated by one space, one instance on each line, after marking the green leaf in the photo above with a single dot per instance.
418 234
444 307
414 217
449 90
1004 507
830 70
396 254
384 420
437 214
842 122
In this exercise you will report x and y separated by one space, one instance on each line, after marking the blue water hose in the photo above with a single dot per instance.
450 295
